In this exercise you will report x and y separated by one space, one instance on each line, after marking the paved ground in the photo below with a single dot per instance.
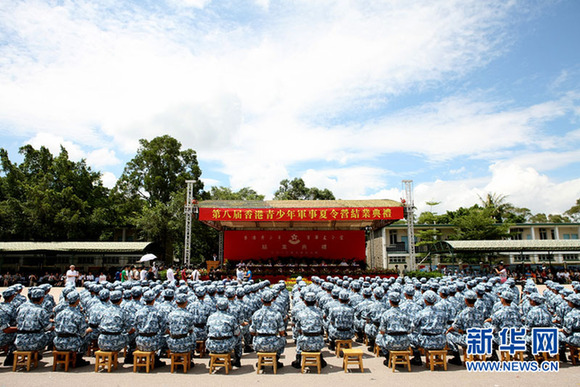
375 373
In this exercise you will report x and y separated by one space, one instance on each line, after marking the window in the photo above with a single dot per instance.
566 236
570 257
110 260
573 236
546 257
553 233
392 237
397 260
543 233
522 258
516 234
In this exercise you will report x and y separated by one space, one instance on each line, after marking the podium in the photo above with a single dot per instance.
212 265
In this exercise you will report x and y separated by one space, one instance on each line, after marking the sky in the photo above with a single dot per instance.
464 97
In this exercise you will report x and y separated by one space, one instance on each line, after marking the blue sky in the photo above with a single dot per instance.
463 97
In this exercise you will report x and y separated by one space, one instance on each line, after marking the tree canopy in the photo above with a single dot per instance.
296 190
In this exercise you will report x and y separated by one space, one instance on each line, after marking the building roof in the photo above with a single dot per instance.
92 247
510 245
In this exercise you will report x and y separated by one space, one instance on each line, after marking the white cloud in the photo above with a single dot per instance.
109 180
522 186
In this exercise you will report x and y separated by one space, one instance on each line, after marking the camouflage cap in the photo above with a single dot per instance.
222 304
72 297
116 295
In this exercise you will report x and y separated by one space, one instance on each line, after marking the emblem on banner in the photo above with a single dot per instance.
294 239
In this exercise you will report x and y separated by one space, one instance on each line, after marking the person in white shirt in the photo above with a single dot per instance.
143 274
102 277
170 274
195 275
72 275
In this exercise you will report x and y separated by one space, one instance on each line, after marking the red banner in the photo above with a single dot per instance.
300 214
259 245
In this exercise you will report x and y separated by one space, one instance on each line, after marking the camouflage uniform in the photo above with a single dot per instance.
181 328
114 326
394 327
222 330
308 327
430 325
32 322
200 310
267 326
571 325
341 320
70 327
470 317
150 326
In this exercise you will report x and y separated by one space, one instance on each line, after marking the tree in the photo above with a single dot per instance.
159 170
574 211
151 191
558 218
539 218
297 190
48 198
478 224
225 193
497 205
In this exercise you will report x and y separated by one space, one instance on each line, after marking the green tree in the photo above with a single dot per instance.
539 218
159 170
51 198
151 191
558 218
478 224
225 193
574 211
497 206
297 190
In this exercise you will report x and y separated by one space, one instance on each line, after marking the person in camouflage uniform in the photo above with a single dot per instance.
246 314
115 325
151 327
359 310
430 326
373 317
200 309
71 330
470 317
340 321
309 330
33 323
223 332
508 316
536 317
8 324
570 332
268 328
180 323
394 328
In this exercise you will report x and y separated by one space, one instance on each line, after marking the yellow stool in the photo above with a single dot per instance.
506 356
200 347
352 356
471 357
143 359
180 359
340 344
574 354
25 359
64 358
377 350
399 357
311 359
220 360
106 360
267 359
436 358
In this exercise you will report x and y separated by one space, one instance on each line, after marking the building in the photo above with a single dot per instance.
40 257
388 246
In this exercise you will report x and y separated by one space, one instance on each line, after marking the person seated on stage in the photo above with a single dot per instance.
343 263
